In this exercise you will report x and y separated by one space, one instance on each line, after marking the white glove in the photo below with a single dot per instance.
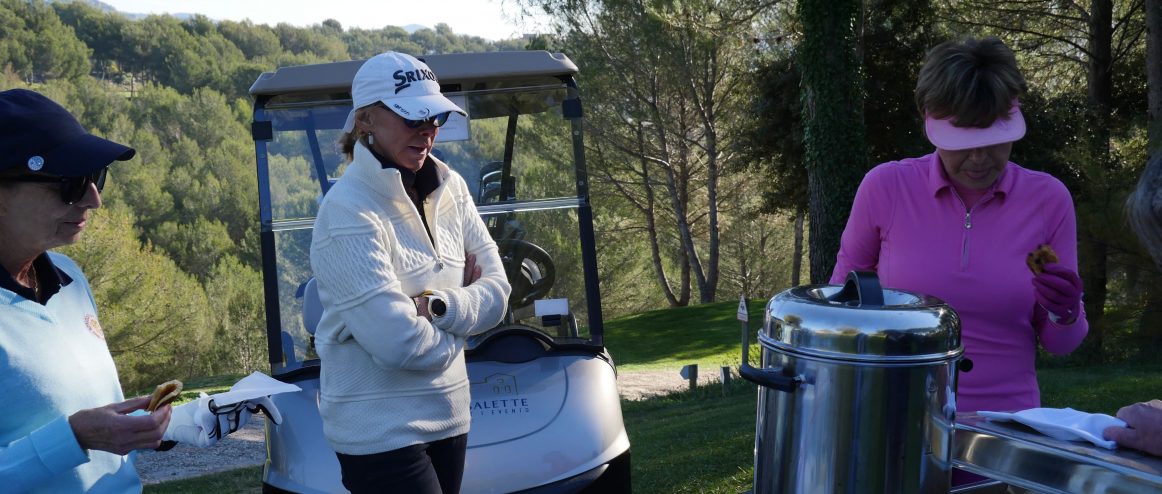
202 423
192 423
235 415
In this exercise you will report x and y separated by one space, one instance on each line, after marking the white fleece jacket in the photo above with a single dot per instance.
390 378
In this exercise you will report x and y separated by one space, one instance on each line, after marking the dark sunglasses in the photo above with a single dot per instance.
73 189
435 120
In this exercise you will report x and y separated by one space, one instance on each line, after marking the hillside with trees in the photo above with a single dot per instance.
173 254
710 170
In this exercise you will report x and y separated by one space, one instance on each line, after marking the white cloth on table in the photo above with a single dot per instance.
1065 424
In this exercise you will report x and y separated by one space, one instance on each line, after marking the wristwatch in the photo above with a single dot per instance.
436 305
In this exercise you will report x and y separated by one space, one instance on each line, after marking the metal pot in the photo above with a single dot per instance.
856 390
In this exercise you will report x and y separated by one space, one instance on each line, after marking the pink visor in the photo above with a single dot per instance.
944 135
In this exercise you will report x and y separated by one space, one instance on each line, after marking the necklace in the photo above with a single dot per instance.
33 281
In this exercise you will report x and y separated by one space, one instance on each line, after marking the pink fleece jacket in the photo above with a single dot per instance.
909 225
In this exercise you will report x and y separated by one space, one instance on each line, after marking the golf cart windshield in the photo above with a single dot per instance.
519 150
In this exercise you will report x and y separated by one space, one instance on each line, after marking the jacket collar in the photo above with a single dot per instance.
388 179
938 180
49 277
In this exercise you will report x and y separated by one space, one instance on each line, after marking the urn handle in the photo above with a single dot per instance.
861 289
770 378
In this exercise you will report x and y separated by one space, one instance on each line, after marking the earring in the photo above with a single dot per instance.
370 139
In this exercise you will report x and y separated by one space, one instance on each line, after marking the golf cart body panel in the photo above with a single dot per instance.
546 415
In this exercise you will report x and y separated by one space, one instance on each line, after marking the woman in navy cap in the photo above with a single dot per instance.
65 426
406 271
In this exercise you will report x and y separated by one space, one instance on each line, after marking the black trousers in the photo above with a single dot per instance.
431 468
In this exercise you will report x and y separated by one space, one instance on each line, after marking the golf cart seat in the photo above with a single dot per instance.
312 307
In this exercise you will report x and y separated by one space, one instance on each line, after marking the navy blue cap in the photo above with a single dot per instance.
41 136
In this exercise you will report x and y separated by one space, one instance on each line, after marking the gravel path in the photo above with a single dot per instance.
245 448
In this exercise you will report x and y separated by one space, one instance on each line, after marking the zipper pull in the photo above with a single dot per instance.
968 220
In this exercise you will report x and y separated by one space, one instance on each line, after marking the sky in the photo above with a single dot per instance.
489 19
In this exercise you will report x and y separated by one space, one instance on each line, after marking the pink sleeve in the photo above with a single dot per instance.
859 248
1062 339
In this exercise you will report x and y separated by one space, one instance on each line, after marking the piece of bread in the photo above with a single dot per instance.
1036 260
164 393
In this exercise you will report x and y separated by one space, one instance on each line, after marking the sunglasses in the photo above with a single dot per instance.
73 189
435 120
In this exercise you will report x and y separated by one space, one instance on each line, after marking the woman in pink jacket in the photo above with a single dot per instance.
959 223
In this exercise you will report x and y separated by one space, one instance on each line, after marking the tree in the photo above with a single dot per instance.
256 42
235 292
101 32
1154 76
772 142
37 45
836 154
893 38
154 316
670 76
321 45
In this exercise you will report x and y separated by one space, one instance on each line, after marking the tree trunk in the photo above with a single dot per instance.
832 123
1154 77
708 291
678 186
652 230
1092 256
1151 320
797 261
1093 251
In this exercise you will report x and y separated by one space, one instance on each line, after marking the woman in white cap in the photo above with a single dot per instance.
960 222
406 270
65 426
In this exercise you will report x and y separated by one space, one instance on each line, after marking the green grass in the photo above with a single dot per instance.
708 335
242 481
702 441
1100 389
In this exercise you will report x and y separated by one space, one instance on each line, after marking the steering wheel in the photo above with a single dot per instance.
529 268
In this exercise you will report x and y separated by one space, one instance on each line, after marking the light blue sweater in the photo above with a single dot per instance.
54 362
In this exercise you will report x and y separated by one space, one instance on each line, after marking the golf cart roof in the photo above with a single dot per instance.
457 69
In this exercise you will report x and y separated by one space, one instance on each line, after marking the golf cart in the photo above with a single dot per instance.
546 416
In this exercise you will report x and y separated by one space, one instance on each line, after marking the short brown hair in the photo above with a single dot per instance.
973 81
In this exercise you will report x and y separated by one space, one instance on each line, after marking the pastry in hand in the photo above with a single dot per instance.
1036 260
166 392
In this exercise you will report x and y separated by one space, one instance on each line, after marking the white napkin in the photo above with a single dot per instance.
1065 424
255 385
197 424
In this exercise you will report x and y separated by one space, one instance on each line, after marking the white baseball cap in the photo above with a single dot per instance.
400 82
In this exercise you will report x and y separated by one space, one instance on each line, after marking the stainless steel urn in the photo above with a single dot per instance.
856 390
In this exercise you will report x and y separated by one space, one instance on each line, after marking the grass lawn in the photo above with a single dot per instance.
708 335
703 441
240 481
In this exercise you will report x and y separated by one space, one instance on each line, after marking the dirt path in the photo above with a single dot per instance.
245 448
